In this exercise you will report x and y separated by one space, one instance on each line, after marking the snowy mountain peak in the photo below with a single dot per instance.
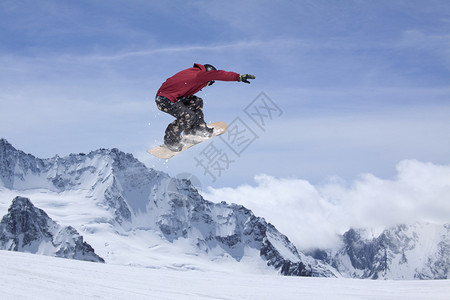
4 143
6 149
21 204
128 197
11 159
110 192
416 251
27 228
103 173
24 218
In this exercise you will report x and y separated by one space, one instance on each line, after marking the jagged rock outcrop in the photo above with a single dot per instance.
26 228
183 213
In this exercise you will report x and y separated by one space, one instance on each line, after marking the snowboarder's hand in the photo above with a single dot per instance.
245 77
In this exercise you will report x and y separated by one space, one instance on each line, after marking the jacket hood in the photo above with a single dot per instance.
200 66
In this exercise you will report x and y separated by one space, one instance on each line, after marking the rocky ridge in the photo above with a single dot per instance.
26 228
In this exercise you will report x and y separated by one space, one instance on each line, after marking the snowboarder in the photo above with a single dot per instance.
176 97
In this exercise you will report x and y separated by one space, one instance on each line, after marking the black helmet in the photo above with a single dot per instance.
209 67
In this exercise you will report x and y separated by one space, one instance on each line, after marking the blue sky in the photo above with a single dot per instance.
362 85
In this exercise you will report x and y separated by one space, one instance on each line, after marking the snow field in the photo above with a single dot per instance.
29 276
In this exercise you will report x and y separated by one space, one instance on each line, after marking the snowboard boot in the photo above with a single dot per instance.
204 132
175 147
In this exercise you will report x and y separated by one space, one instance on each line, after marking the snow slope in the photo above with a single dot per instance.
29 276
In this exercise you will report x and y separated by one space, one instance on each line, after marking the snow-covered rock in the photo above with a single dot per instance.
417 251
116 201
130 197
231 228
27 228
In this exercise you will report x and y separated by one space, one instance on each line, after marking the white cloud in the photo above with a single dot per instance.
312 216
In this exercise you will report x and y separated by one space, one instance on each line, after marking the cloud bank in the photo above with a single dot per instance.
313 215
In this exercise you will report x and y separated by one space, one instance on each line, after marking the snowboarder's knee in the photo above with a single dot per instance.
188 120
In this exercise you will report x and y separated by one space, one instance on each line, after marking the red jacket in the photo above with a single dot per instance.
190 81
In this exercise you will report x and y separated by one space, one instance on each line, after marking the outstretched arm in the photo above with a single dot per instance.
226 76
219 75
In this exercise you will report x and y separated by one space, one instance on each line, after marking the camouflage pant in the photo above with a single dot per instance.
188 112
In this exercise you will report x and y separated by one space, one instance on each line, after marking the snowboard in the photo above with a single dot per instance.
188 141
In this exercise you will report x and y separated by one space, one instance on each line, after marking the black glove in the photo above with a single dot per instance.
245 77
